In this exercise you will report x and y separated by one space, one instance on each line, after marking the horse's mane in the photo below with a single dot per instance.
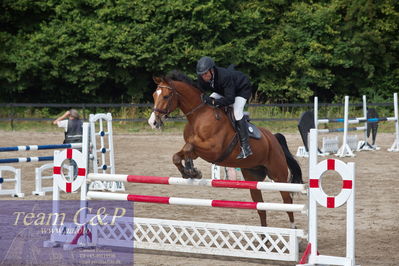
176 75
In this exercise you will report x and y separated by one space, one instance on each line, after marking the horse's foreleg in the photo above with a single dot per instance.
177 160
256 196
187 154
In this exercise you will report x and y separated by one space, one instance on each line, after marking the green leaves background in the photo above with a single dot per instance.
107 51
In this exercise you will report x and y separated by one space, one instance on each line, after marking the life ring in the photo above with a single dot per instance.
59 178
346 173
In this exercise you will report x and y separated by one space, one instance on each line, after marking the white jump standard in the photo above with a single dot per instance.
103 147
16 192
317 195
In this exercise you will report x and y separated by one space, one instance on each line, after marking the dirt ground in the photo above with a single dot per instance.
377 203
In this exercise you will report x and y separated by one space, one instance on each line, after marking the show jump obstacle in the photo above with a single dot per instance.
16 191
101 155
370 119
207 238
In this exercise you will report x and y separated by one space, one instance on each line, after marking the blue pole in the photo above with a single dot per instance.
41 147
27 159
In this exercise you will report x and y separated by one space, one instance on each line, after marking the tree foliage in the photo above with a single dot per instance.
108 51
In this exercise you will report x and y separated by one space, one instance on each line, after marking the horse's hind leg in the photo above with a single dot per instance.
186 154
256 195
287 198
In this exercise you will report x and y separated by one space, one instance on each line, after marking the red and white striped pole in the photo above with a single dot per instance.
199 182
197 202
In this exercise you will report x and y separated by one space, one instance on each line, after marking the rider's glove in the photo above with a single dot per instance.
208 100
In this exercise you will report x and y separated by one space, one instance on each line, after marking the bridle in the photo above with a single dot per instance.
171 96
167 110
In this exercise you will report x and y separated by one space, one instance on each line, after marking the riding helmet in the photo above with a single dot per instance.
204 64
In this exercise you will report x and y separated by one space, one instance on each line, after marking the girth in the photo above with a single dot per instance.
229 149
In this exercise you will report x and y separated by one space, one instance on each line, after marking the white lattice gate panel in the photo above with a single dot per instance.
203 238
120 234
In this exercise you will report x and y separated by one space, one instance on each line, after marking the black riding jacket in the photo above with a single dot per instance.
74 132
230 83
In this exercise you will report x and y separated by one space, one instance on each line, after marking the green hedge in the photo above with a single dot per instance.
65 51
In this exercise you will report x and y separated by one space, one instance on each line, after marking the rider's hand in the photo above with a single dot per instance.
208 100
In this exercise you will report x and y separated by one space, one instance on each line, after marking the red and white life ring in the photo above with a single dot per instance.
346 174
59 178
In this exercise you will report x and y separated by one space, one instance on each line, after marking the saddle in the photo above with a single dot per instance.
253 131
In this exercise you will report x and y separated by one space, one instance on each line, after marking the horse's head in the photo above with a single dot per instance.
165 102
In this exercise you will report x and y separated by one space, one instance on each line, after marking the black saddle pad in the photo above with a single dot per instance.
253 131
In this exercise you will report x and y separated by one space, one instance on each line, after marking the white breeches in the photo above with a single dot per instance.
238 105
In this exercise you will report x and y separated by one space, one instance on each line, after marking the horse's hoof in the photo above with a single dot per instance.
193 173
198 175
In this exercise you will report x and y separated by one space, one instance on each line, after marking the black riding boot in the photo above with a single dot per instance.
243 134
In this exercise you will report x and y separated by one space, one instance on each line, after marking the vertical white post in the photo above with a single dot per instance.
350 219
83 189
56 208
215 171
110 143
346 118
98 185
18 184
312 201
93 143
38 183
395 145
316 112
345 150
365 123
85 151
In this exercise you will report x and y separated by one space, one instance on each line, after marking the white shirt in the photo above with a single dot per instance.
63 124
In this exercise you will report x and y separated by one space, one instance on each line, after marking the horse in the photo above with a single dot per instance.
210 135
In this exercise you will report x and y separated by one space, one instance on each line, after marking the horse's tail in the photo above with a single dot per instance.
293 165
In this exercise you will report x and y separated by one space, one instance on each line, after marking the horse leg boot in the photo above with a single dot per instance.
177 161
189 169
186 154
243 134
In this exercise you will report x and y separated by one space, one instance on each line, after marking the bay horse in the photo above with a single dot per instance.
209 133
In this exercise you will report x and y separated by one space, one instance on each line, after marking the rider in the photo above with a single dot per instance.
230 87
